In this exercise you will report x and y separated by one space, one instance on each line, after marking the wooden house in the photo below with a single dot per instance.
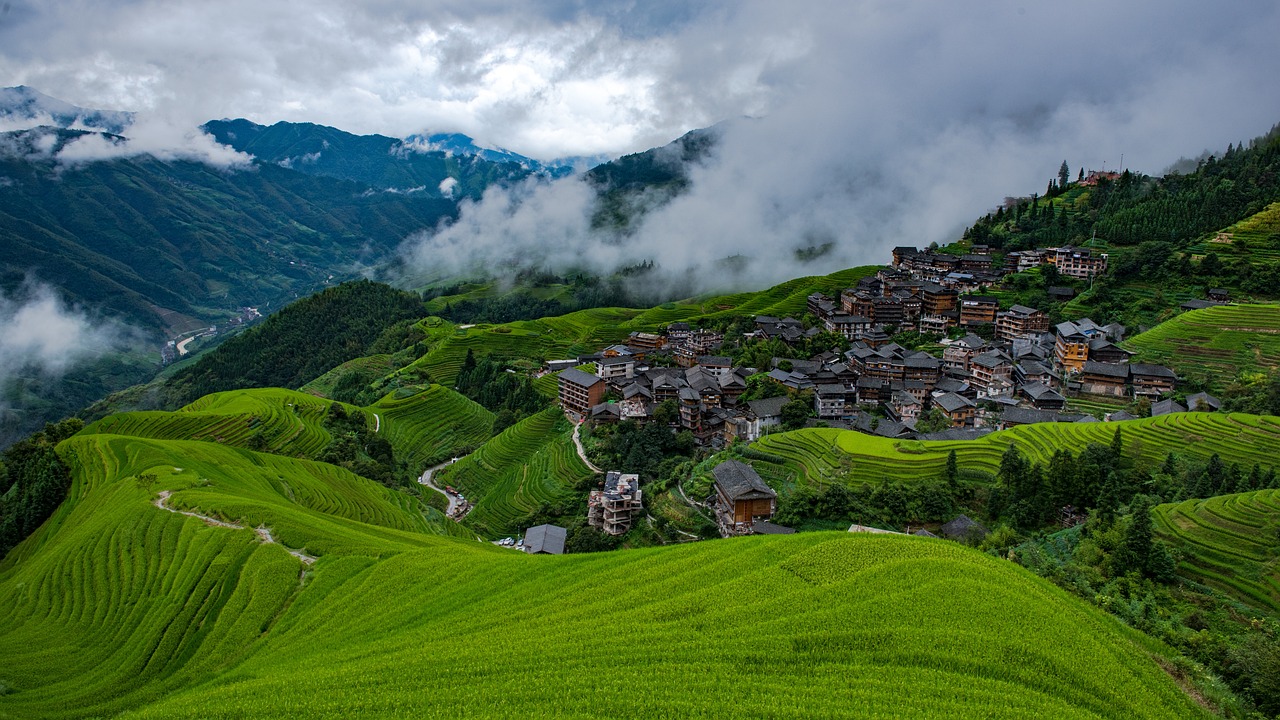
741 496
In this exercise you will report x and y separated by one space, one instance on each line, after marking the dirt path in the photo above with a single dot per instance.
582 453
455 501
377 422
263 533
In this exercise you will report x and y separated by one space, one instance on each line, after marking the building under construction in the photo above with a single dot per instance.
611 507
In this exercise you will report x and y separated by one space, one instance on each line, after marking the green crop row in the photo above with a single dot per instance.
1228 542
1216 343
826 455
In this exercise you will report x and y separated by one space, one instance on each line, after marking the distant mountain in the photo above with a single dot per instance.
22 107
634 184
449 166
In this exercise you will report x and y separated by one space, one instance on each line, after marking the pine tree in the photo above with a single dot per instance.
1134 553
1117 445
1064 176
951 475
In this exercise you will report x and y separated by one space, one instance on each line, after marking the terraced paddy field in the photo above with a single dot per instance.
827 455
1229 543
529 463
1216 344
119 607
424 427
323 386
1256 232
432 426
290 423
586 331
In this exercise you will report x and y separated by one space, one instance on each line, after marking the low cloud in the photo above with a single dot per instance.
43 334
160 138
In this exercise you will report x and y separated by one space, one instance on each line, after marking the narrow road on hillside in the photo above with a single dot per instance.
582 453
455 501
263 532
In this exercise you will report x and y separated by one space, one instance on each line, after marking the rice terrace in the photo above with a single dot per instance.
639 360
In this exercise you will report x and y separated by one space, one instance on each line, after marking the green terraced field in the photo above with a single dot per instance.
433 425
1255 231
423 428
290 422
529 463
323 385
586 331
828 455
1217 344
117 607
1229 543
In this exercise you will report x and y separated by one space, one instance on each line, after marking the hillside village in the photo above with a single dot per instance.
996 368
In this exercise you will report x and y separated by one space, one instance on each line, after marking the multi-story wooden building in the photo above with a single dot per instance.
1020 321
580 391
1077 262
978 309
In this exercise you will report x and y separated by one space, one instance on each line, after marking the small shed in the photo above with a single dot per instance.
545 539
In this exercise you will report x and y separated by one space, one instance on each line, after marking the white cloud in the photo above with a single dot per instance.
447 186
43 333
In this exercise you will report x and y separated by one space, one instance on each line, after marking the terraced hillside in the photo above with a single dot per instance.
289 423
827 455
1216 344
423 427
529 463
117 606
1255 235
433 425
1229 543
588 330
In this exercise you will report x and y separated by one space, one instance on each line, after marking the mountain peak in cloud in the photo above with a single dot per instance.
23 107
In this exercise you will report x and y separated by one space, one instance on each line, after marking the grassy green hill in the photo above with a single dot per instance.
119 606
430 426
823 455
1214 345
1229 543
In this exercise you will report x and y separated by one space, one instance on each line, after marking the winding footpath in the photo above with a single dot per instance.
264 533
582 453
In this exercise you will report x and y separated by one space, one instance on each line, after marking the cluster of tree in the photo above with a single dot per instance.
510 395
1262 398
33 482
299 343
1029 496
1135 208
355 447
649 450
883 505
583 292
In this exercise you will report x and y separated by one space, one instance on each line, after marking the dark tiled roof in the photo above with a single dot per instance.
577 377
740 481
1152 370
1113 370
545 539
768 407
963 528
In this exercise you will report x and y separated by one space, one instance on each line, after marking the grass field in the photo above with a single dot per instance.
1229 543
1215 344
116 607
820 456
529 463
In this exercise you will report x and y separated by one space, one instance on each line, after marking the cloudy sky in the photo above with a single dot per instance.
875 123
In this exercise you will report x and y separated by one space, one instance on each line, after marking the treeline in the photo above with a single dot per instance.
1135 208
585 292
33 482
299 343
1030 496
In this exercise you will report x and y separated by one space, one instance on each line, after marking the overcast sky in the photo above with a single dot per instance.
876 123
